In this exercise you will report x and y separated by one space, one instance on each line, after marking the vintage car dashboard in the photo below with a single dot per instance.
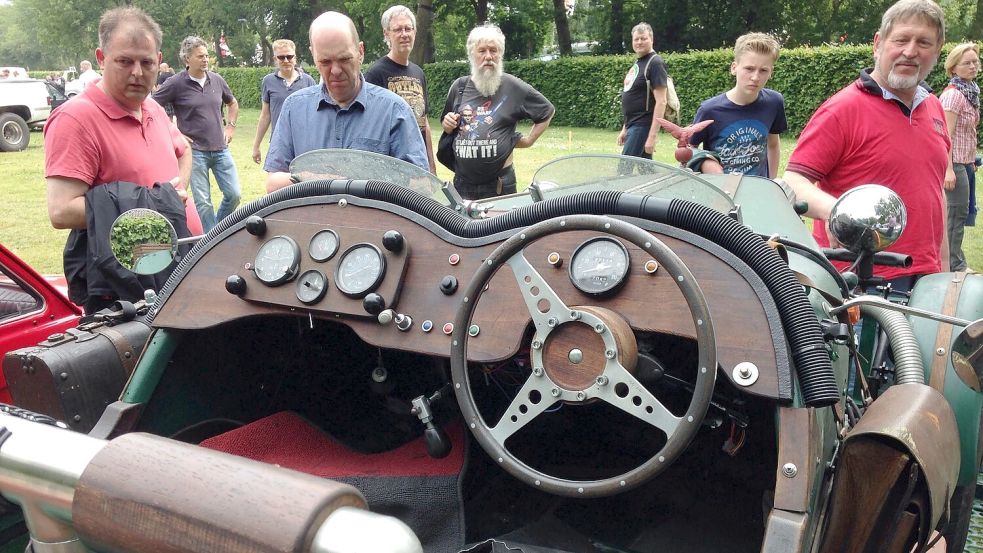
397 279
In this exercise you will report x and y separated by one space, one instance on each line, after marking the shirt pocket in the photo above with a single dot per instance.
370 145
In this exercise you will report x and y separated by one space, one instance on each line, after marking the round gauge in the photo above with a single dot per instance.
277 261
311 286
599 266
360 270
324 245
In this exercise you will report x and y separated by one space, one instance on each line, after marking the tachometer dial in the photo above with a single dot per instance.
324 245
277 261
360 270
311 286
599 266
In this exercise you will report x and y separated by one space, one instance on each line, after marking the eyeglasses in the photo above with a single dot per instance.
287 57
970 63
399 30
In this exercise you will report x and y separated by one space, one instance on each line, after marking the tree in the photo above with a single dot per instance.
423 49
562 27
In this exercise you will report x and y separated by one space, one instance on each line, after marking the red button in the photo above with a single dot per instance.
454 259
448 328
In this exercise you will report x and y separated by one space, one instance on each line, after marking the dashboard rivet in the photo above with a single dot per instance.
648 244
607 225
575 315
651 266
538 482
537 371
552 322
473 330
575 356
554 259
580 490
426 326
940 352
581 396
622 483
745 373
342 202
789 470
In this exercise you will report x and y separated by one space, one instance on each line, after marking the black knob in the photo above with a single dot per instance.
255 225
448 285
800 207
373 304
235 284
437 442
392 240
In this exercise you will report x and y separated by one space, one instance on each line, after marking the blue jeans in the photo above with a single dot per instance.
226 177
635 137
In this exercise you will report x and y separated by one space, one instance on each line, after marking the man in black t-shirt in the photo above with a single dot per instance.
397 73
643 98
482 116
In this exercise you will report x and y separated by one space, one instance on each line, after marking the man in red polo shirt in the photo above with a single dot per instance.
885 128
112 131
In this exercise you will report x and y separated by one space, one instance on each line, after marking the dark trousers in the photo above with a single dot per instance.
502 183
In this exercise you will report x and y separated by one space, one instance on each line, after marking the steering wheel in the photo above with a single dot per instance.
581 354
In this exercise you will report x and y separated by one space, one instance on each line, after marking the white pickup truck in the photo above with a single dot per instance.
24 103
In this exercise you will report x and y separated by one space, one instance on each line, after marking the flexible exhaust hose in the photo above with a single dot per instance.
908 365
813 366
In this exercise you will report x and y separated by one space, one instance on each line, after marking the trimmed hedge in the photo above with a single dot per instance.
586 90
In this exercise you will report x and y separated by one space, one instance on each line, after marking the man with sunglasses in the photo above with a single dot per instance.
283 82
396 72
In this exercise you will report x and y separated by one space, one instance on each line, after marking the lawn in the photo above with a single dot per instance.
24 226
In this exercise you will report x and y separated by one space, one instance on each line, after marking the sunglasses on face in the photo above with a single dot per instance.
287 57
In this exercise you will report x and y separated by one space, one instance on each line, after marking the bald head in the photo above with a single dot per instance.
334 22
338 55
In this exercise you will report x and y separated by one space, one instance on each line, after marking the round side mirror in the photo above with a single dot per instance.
868 218
143 241
967 355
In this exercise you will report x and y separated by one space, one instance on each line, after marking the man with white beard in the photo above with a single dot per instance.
885 128
494 102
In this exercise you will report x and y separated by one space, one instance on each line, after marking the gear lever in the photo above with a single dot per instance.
438 444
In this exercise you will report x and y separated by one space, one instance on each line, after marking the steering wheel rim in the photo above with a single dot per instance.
637 400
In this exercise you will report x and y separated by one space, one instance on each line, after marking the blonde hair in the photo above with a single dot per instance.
284 43
757 43
952 60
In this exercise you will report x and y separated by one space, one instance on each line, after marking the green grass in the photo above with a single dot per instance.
24 226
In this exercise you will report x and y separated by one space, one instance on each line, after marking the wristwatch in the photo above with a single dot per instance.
232 124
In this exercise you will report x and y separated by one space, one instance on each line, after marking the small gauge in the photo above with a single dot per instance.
277 261
311 286
599 266
360 270
324 245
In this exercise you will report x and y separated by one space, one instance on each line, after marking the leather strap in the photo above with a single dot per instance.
127 358
943 338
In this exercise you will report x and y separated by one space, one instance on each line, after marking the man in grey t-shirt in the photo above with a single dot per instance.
482 111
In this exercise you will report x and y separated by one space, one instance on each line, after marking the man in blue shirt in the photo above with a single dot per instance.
747 119
276 87
345 111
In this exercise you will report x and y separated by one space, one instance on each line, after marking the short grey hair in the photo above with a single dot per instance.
903 10
398 9
489 32
114 19
643 27
188 45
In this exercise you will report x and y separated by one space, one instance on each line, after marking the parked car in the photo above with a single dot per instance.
24 103
623 357
32 308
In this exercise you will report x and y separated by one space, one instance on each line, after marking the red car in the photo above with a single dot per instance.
32 308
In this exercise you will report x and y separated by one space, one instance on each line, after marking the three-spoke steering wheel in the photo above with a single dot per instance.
581 354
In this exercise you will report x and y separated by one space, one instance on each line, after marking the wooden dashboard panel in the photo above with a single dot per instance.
648 302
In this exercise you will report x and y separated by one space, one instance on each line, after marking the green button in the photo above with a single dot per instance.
473 331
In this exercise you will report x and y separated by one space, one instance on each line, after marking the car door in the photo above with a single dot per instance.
31 309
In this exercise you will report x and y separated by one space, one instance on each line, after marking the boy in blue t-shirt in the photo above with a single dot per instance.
748 118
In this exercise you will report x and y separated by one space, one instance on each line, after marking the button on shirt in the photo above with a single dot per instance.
376 120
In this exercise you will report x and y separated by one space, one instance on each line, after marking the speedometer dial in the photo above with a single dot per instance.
324 245
360 270
599 266
277 261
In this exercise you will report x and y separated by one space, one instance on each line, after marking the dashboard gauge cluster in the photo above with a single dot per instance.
358 268
599 266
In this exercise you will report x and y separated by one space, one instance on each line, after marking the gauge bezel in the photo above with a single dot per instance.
612 288
337 246
362 292
320 294
294 264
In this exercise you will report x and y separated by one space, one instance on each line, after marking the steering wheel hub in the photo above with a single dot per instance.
575 355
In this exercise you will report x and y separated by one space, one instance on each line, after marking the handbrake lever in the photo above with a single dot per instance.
438 444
